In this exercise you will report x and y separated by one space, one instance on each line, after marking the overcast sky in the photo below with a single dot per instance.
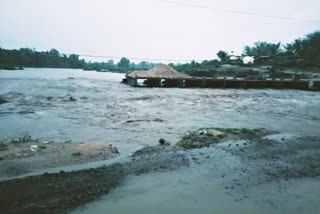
177 29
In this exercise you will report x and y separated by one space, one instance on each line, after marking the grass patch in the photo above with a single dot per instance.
207 136
236 131
196 140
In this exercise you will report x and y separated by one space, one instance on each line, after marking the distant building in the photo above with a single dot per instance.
159 71
160 75
248 60
234 58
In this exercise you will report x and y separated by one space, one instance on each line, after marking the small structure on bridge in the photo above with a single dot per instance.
159 71
160 76
165 76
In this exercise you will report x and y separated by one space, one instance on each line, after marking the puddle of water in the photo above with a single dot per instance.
185 191
208 186
281 137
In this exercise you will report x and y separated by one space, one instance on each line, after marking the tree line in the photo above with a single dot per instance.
26 57
301 53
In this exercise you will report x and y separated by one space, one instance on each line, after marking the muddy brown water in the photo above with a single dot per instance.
63 104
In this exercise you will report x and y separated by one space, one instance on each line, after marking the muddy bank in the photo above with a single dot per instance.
60 192
282 159
26 155
265 155
239 158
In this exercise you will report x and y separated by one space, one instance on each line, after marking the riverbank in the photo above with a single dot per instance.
60 192
27 155
265 156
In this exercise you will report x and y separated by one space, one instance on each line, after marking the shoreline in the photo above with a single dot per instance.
265 156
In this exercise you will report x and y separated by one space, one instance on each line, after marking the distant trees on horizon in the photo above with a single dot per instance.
26 57
302 52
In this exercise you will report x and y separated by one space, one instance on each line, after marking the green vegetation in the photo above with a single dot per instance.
301 54
262 49
207 136
236 131
197 140
26 57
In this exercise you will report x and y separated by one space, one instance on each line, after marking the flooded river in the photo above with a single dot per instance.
63 104
81 105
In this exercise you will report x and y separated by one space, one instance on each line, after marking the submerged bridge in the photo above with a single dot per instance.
313 85
165 76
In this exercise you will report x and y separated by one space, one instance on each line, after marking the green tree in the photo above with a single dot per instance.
262 49
306 49
223 56
124 64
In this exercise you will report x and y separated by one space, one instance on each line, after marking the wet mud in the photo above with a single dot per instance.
26 155
60 192
261 159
